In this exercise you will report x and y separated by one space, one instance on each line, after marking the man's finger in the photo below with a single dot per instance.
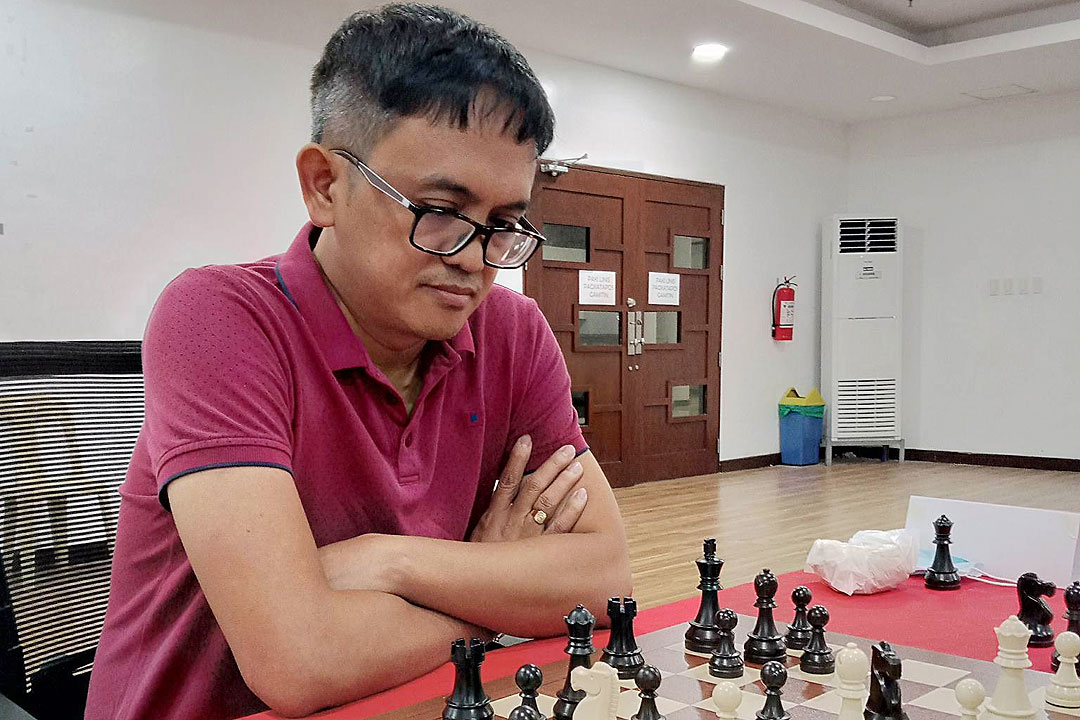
566 517
538 482
510 479
557 491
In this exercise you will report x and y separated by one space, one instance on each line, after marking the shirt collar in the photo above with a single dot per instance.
299 277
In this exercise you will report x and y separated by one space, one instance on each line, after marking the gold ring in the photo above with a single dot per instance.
540 517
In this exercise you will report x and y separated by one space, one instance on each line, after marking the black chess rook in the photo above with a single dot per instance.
579 630
702 635
764 642
942 575
468 701
622 651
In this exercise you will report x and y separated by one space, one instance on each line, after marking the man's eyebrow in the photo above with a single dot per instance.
441 182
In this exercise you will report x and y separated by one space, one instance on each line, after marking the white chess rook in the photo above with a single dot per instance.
1064 688
1010 699
852 668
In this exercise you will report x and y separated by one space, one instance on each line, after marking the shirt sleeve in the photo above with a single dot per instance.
218 389
544 409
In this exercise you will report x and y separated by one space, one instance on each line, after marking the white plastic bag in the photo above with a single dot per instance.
872 561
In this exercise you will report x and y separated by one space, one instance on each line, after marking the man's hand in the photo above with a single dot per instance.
516 503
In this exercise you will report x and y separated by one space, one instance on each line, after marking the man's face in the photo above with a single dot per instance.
397 293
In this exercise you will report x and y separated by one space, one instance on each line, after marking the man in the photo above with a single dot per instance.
308 516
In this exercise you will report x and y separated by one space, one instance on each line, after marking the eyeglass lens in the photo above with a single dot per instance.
443 233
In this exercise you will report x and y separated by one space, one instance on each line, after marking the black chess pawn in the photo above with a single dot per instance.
579 629
529 678
817 657
764 642
1072 617
622 651
798 634
773 677
1034 611
725 661
468 701
701 636
942 575
648 682
524 712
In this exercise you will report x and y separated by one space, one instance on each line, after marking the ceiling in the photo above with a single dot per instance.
923 16
817 58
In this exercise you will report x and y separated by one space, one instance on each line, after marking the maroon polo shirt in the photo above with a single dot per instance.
255 364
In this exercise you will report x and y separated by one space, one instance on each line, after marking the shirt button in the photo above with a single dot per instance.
408 440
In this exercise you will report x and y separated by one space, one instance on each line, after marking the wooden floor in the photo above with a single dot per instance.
770 517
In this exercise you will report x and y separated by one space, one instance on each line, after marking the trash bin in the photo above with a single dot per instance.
800 427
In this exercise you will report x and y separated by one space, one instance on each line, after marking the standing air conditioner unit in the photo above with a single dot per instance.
860 331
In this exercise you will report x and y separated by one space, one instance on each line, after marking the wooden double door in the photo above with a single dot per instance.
643 345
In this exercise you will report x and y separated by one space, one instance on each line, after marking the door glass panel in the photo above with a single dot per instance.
661 328
687 400
566 243
690 252
600 327
581 404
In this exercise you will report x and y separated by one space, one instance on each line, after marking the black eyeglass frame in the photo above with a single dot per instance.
485 232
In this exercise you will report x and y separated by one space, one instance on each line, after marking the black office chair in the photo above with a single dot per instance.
70 413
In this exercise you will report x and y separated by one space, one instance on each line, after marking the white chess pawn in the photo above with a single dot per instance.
852 668
1064 688
1010 700
726 696
970 694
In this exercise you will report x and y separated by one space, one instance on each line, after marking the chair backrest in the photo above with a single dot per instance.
70 413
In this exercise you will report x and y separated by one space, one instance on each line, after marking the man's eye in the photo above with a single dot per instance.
505 222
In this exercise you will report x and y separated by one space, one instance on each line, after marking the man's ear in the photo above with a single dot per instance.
320 183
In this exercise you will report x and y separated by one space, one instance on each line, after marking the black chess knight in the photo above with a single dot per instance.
468 701
1034 612
884 702
702 635
942 575
764 642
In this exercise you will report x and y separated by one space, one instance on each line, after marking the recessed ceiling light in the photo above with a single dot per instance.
883 98
709 52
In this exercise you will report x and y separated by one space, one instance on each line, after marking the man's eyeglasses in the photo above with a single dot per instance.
445 232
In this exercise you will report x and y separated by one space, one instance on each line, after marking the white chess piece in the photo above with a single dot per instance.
1010 700
600 683
852 668
1064 688
970 694
726 696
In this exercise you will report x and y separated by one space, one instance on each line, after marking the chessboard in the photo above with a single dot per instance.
685 693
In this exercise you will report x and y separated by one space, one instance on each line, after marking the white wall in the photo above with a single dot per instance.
984 193
139 147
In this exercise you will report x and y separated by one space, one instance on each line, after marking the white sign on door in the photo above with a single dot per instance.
596 287
663 288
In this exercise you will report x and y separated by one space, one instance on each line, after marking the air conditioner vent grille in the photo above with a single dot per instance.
868 235
866 409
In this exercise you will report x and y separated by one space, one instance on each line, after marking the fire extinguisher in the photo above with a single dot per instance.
783 309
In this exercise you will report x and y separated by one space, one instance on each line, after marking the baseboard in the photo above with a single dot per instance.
749 463
1027 462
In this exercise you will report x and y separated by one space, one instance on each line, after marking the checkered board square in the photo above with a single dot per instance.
686 689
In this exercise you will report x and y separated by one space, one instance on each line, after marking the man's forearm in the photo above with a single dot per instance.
357 646
522 587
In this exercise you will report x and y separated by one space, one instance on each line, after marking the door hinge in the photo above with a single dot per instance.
721 217
721 273
719 359
717 446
